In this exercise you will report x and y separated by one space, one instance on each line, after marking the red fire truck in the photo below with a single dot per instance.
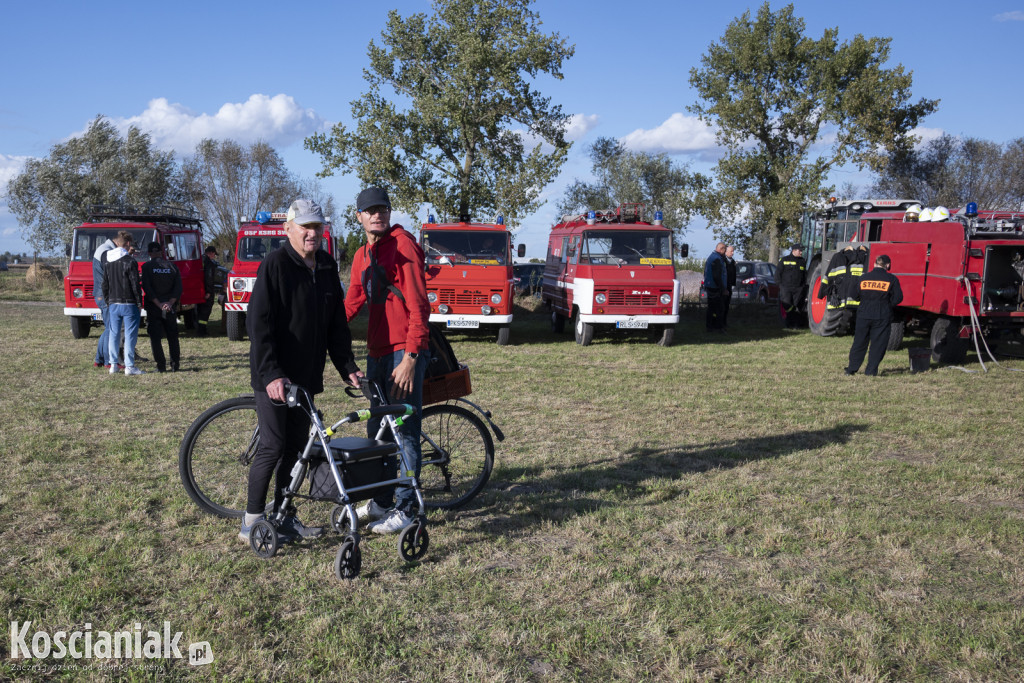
256 239
178 230
611 268
469 275
960 277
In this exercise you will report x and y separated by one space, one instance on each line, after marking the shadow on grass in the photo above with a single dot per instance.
561 492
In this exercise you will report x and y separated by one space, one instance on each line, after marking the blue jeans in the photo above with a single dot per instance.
129 316
379 370
101 345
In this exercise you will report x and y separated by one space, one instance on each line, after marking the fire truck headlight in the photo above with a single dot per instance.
486 310
77 292
443 309
666 299
238 285
432 297
601 298
495 298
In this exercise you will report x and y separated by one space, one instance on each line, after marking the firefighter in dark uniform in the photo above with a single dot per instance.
209 285
833 286
791 275
857 262
161 282
879 292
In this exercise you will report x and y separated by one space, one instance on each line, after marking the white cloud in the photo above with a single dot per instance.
580 125
10 166
679 134
927 134
9 232
279 120
1015 15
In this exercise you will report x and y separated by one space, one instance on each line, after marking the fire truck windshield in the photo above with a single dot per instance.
86 241
257 248
626 247
465 246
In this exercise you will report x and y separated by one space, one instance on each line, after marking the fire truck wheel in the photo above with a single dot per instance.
947 346
895 335
584 331
80 326
503 335
668 332
235 325
557 323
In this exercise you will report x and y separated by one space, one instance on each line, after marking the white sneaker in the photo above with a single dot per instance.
370 511
392 524
113 368
133 371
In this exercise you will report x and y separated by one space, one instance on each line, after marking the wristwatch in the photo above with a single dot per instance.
414 355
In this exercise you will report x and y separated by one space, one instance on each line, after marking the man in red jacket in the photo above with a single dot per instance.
388 276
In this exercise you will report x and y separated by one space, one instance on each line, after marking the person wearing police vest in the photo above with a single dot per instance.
791 275
209 285
879 293
388 277
161 283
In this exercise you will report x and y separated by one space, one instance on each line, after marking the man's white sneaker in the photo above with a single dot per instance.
392 524
132 370
370 512
113 368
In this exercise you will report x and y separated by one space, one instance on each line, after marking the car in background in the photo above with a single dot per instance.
527 278
755 281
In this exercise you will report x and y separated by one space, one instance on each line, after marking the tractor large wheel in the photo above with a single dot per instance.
822 320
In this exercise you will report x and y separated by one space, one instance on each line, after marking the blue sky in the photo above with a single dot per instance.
280 71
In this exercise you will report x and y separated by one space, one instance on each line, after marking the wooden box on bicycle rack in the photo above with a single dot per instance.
446 387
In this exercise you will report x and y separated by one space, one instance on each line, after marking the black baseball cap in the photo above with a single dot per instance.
797 246
154 246
372 196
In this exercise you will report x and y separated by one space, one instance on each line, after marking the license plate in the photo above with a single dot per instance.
631 324
464 324
97 317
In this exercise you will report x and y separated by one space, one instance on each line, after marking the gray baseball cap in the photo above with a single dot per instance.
305 211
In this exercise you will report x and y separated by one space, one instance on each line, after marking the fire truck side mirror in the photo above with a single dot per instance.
521 250
684 250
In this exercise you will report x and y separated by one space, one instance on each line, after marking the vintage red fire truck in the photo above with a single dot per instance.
256 239
610 269
178 230
960 276
469 275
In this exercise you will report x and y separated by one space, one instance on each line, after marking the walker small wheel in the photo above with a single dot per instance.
340 521
349 559
263 539
413 541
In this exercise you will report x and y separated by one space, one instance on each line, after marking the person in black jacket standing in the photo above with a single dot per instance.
730 283
161 283
209 285
122 291
791 274
879 292
714 287
296 317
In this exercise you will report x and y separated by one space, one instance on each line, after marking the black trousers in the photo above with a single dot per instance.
726 301
715 315
203 312
875 332
283 434
162 324
790 300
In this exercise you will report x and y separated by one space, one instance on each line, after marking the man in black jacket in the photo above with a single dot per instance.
791 275
209 285
879 292
123 293
296 317
730 283
161 283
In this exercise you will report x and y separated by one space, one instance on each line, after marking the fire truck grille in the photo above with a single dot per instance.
452 298
618 297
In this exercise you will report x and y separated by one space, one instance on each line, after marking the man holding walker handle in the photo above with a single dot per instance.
296 317
388 276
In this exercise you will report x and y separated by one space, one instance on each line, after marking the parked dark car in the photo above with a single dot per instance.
755 281
527 278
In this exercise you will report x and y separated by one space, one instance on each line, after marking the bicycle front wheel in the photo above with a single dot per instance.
215 454
458 455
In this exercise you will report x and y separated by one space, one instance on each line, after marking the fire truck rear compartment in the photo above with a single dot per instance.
1001 285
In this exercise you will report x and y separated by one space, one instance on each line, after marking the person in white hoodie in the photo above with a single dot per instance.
122 291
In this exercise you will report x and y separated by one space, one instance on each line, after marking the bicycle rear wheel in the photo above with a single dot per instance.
215 454
458 455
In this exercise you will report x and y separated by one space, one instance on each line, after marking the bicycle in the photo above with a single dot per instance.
219 445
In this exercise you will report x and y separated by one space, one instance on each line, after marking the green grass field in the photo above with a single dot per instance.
730 508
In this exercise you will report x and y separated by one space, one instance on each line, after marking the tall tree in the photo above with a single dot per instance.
226 181
951 171
52 195
470 138
625 176
788 109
